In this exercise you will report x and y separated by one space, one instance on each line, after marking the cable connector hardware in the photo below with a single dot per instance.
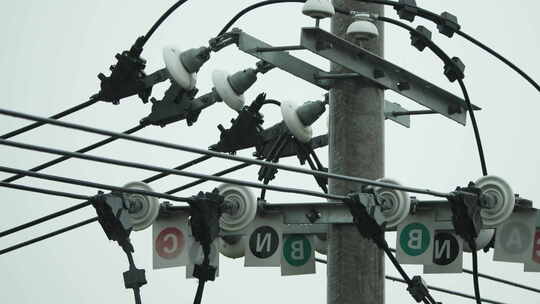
454 70
421 39
368 217
448 24
407 9
418 289
114 218
206 208
466 206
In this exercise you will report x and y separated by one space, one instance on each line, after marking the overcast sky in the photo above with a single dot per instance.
52 51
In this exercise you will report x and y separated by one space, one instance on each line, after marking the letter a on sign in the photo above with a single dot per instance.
297 255
514 238
171 241
415 239
263 241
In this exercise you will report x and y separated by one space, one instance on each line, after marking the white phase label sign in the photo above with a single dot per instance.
415 239
447 253
514 238
264 242
171 241
297 255
196 256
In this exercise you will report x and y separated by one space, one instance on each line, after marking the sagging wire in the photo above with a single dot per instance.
220 155
435 288
161 19
448 25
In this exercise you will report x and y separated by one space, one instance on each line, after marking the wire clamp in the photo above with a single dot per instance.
418 289
407 9
367 216
466 217
454 70
448 24
421 38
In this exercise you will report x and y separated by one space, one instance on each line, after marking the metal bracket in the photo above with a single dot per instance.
390 108
281 59
384 73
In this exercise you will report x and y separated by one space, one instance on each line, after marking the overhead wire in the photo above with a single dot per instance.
446 60
160 21
426 14
64 158
151 168
223 156
435 288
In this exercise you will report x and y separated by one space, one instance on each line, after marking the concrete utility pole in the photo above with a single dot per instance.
356 148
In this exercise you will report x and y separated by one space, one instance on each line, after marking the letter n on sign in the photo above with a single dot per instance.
264 242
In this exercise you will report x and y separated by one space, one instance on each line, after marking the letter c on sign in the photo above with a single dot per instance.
170 243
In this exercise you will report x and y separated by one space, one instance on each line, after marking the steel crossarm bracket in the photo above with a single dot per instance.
390 108
387 75
281 59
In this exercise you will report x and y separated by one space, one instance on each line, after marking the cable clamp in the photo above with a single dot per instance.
418 289
367 215
407 9
466 206
455 69
448 24
206 208
113 216
421 38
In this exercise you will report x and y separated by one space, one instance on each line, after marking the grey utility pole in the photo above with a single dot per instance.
356 148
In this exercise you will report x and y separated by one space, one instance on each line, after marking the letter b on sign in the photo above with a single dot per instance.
414 239
297 250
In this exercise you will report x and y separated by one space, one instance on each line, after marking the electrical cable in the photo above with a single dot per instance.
75 196
44 191
56 116
446 60
161 19
447 291
64 158
44 219
48 235
73 181
202 180
472 245
252 7
145 167
220 155
421 12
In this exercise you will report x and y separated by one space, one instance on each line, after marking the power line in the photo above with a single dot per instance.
152 168
180 167
161 19
44 191
73 181
421 12
64 158
219 155
202 180
48 235
443 290
56 116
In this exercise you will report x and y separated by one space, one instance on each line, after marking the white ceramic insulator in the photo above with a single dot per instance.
246 211
149 206
293 123
171 56
226 92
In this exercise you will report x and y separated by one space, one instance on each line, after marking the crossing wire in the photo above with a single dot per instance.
220 155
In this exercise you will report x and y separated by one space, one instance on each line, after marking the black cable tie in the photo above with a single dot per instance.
407 9
454 70
447 24
421 39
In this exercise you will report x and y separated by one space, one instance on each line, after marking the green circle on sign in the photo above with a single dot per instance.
414 239
297 250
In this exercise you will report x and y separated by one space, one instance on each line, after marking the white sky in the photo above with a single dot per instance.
52 51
